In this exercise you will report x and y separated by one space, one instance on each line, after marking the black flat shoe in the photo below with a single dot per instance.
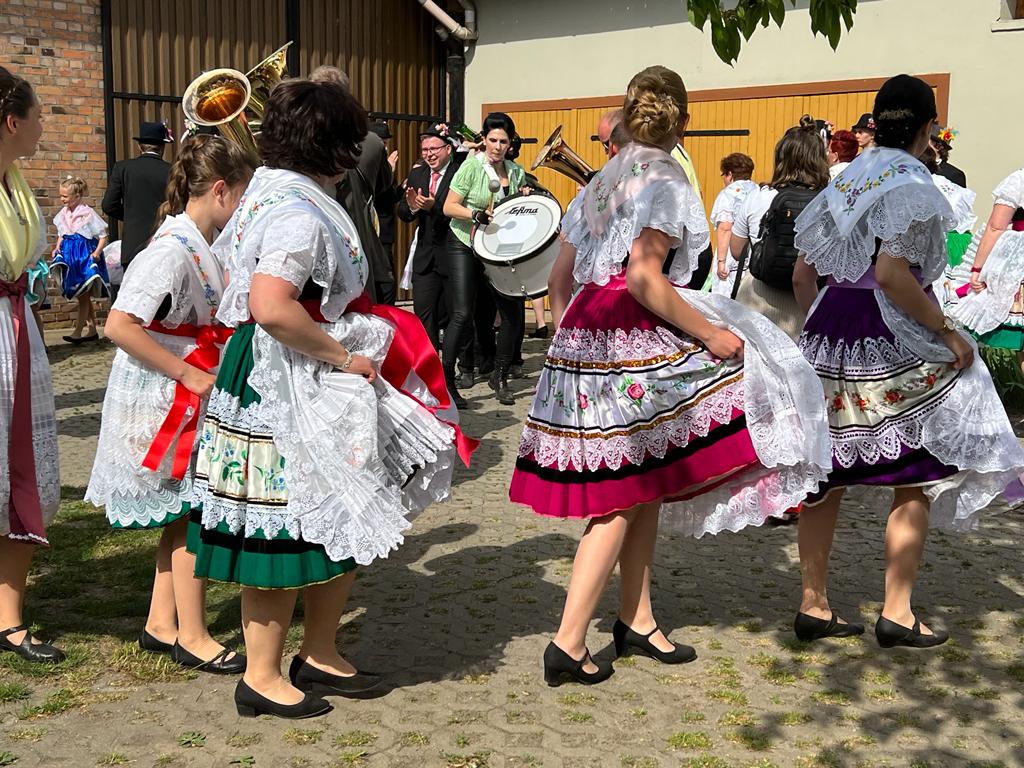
465 380
308 678
250 704
889 633
218 665
149 643
453 391
560 667
76 340
28 650
540 333
809 628
627 642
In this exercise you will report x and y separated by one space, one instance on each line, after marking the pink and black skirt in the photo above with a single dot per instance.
628 410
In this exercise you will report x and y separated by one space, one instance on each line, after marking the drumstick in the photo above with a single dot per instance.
493 186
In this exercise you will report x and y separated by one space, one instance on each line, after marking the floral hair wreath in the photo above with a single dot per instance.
946 135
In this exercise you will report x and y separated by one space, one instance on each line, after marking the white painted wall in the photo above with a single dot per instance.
550 49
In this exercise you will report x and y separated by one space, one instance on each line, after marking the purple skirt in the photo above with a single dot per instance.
876 394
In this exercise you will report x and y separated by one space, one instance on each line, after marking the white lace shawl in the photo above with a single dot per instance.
641 187
1010 191
728 202
883 194
961 200
179 263
288 213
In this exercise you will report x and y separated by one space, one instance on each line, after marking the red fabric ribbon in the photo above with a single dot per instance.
184 413
25 510
410 350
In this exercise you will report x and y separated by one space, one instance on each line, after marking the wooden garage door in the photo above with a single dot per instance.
763 113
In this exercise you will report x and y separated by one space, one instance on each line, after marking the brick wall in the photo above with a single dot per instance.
58 47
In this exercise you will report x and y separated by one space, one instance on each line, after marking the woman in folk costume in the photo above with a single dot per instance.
909 406
955 279
310 462
655 400
29 473
169 347
992 307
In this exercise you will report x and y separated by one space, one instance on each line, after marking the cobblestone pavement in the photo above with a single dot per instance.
458 618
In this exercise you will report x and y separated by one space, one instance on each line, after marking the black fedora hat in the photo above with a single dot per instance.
153 133
866 123
381 129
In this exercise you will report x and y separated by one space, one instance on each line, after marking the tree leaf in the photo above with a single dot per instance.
777 8
722 42
698 12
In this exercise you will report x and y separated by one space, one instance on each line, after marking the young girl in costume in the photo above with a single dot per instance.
909 406
163 324
311 462
655 401
78 256
29 467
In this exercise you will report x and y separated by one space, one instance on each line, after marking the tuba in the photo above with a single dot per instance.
233 103
559 156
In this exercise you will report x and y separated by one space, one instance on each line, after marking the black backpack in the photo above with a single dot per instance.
773 256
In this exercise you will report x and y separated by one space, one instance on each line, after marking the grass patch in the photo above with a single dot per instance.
299 737
628 761
736 717
355 739
832 698
572 716
13 692
986 694
463 716
706 761
772 669
114 758
638 713
1016 672
578 699
754 739
794 718
882 694
347 758
148 667
693 717
57 702
239 739
27 734
414 739
192 740
475 760
77 655
689 740
729 697
8 758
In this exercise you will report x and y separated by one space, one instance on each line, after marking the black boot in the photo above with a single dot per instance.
499 383
453 391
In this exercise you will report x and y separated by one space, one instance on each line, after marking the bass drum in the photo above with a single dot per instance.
519 246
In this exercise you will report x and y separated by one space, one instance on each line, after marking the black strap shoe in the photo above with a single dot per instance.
149 643
560 667
218 665
28 650
306 677
809 628
249 703
499 383
453 391
889 633
627 641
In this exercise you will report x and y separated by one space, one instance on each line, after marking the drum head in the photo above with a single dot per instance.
523 226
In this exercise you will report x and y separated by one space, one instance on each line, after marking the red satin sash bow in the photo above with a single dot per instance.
184 413
410 351
25 511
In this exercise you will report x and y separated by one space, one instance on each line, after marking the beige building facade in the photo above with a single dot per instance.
584 52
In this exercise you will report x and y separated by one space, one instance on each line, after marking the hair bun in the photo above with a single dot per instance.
655 103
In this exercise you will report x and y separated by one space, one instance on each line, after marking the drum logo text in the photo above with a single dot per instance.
521 210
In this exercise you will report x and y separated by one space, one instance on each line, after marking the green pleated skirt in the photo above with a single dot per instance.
957 243
239 466
185 508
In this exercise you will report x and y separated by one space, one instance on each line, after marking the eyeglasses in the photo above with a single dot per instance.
607 144
432 150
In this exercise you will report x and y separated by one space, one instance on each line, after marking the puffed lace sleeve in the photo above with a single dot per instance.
299 248
1010 191
95 228
158 272
722 210
58 223
667 205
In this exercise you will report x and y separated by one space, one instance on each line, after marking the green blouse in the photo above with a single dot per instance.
471 182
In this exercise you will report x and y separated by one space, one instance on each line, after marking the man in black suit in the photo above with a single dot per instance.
136 189
385 200
425 192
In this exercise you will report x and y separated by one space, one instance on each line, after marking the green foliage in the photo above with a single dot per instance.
730 27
